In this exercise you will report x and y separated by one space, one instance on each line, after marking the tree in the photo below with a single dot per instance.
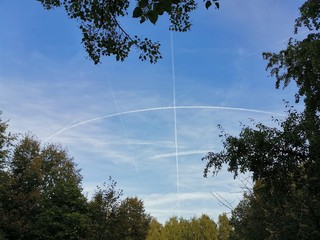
300 61
6 140
224 227
132 223
172 230
113 218
103 35
287 167
283 160
102 211
208 228
43 198
188 228
248 218
202 228
64 207
155 228
21 201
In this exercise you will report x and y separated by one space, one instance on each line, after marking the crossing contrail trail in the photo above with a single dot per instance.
175 121
154 109
123 127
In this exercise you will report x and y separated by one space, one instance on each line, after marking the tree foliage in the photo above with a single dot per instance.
41 197
103 34
102 210
155 228
248 218
224 227
285 163
202 228
132 221
283 160
44 197
300 61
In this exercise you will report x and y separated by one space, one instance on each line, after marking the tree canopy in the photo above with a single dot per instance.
283 160
103 34
201 228
41 196
300 61
285 168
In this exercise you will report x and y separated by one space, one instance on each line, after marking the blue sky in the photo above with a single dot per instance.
117 118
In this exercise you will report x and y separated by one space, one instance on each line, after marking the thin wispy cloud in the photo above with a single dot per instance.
48 87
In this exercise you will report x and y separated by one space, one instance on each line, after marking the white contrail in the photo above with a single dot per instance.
184 153
63 129
161 109
123 128
282 41
175 121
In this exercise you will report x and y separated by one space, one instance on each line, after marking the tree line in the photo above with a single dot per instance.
202 228
41 197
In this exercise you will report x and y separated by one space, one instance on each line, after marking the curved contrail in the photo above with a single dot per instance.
160 109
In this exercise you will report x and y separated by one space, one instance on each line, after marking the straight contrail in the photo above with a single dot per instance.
175 120
123 127
181 153
160 109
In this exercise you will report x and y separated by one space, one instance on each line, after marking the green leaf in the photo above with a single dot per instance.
217 4
166 6
208 4
137 12
143 3
153 16
158 8
142 20
160 11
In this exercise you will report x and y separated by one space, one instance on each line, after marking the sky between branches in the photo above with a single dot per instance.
48 85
